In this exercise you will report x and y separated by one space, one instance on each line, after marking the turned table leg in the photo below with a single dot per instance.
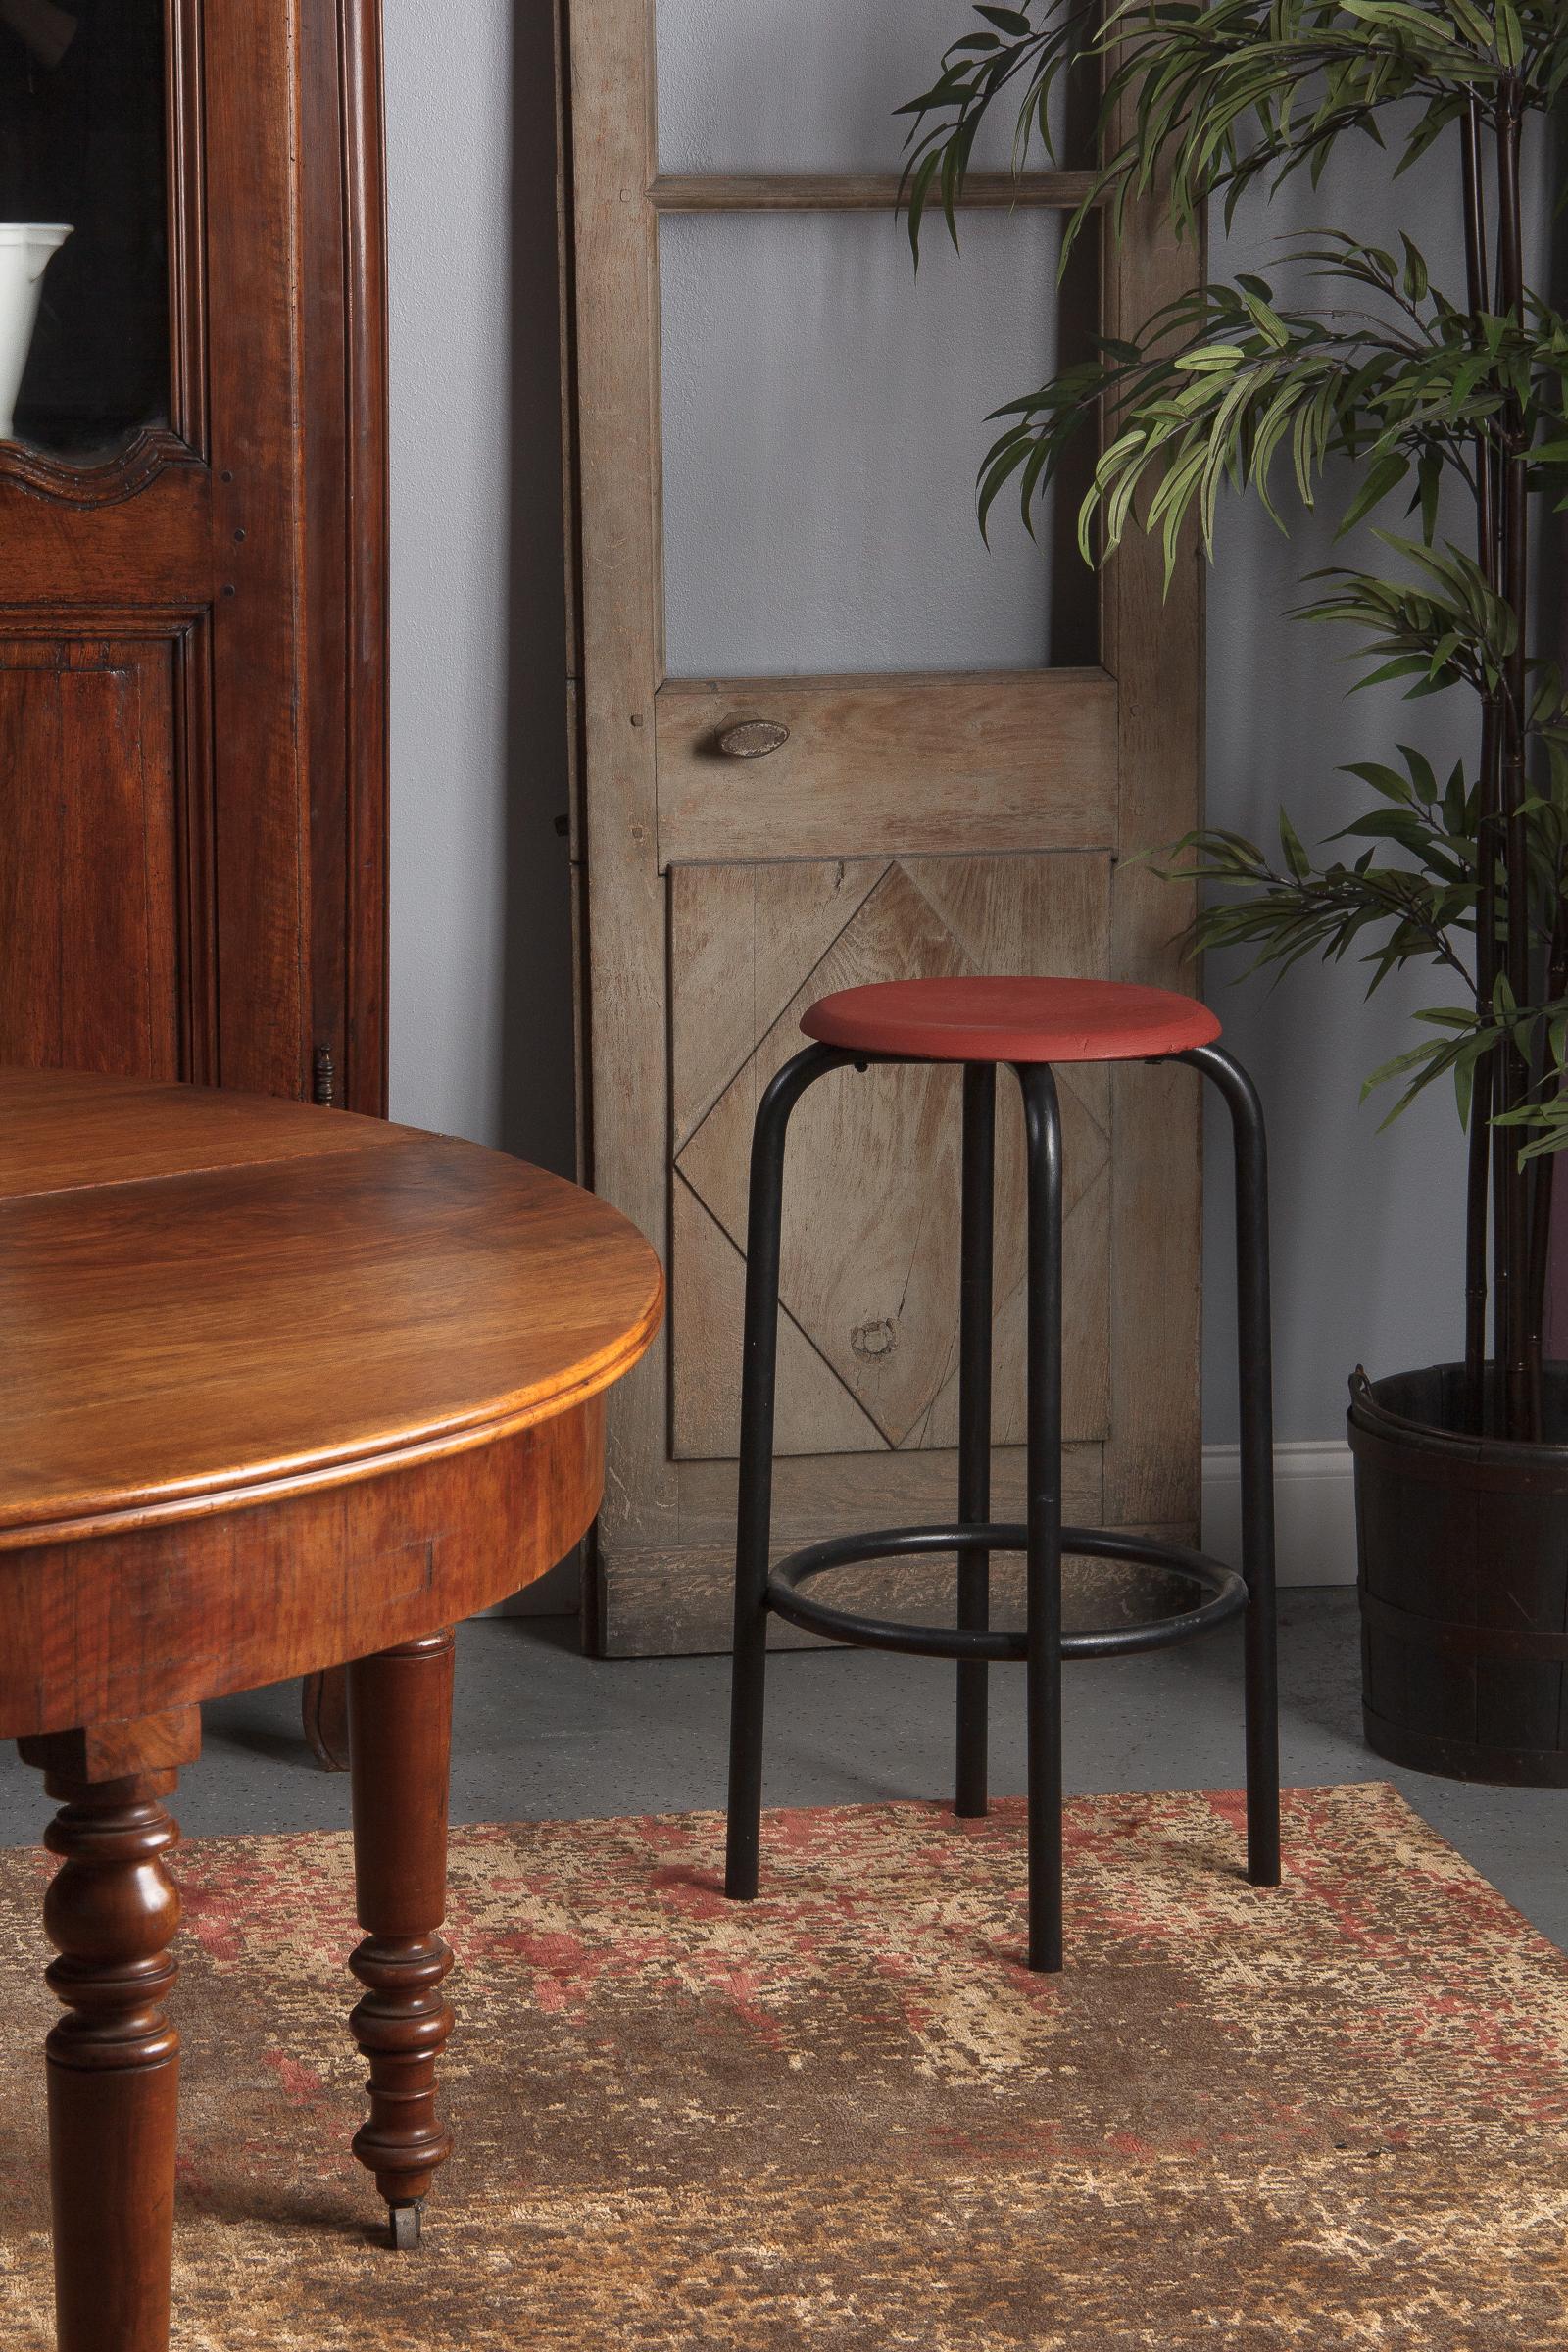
400 1743
114 2058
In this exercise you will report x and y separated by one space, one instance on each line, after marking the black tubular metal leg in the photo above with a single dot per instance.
760 1354
974 1420
1043 1662
1254 1365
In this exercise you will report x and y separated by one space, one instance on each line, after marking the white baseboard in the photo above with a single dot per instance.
1314 1509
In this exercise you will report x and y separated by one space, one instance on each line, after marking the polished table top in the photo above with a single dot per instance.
280 1388
208 1296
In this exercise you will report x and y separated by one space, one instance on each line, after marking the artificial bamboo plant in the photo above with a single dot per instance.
1438 414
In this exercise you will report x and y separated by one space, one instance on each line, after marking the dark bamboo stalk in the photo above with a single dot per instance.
1517 1382
1477 1171
1479 1143
1541 1173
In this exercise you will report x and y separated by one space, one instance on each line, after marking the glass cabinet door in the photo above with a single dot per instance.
82 146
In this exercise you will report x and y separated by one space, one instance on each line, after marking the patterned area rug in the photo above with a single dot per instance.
1332 2116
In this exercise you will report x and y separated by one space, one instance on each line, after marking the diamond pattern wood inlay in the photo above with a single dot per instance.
869 1282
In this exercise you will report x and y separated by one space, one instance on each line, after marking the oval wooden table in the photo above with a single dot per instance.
280 1388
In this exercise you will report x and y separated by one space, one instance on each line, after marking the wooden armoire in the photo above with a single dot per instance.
193 548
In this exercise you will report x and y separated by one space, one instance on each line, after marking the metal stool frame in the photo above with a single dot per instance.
760 1592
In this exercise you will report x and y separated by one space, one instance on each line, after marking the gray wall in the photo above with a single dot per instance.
480 997
1367 1226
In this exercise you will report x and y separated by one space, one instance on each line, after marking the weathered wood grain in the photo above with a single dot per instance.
622 639
1154 648
856 191
720 890
870 1292
1012 759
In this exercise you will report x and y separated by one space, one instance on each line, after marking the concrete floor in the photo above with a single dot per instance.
543 1732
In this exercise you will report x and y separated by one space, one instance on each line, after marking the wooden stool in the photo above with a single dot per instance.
1031 1024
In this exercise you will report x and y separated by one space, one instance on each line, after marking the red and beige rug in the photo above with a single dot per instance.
1334 2116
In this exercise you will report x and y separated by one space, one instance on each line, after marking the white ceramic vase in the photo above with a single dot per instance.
27 248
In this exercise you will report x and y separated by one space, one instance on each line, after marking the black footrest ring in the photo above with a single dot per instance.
1225 1589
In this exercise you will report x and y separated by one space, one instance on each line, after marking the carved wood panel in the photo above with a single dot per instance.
88 883
869 1283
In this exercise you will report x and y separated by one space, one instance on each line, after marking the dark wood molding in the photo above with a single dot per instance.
362 1064
107 480
187 132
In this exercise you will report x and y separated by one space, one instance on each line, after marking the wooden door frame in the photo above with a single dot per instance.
659 1576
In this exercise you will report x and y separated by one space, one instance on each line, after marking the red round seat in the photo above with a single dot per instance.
996 1019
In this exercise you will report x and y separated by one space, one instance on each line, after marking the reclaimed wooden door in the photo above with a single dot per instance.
192 547
829 737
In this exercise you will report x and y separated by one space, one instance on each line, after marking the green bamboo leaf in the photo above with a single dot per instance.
1386 780
1381 476
1422 779
1511 38
1296 857
1210 357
